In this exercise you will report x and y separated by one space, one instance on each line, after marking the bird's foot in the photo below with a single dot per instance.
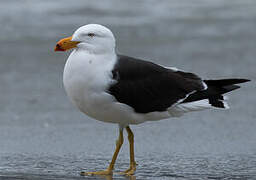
106 172
130 171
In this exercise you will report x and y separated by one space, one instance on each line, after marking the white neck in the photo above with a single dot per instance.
88 68
96 49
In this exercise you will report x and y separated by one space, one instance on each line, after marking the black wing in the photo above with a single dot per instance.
148 87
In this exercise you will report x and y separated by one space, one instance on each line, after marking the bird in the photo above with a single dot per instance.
123 90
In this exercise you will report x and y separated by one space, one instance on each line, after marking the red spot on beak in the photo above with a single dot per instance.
58 48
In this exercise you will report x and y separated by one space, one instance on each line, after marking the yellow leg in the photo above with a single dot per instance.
110 168
133 164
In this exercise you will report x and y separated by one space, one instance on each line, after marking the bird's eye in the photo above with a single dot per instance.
91 34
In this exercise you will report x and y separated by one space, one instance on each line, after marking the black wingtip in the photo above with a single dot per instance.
243 80
225 82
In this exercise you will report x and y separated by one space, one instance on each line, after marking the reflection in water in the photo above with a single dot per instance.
110 177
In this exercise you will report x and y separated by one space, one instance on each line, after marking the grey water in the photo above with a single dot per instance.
42 136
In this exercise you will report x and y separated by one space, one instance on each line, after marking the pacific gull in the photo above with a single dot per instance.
114 88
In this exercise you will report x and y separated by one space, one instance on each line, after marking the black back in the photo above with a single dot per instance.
148 87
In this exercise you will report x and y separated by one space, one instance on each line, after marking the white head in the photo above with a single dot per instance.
93 38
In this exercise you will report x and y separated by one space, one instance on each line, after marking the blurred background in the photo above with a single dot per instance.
43 136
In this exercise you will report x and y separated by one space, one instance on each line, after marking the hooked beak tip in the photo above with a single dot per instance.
58 48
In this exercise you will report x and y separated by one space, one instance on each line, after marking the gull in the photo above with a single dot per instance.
119 89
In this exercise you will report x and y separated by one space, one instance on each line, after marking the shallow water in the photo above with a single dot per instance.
42 136
166 167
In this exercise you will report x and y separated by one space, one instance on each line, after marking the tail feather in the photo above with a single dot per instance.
218 101
214 92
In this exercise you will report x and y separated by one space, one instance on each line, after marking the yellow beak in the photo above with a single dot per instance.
66 44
